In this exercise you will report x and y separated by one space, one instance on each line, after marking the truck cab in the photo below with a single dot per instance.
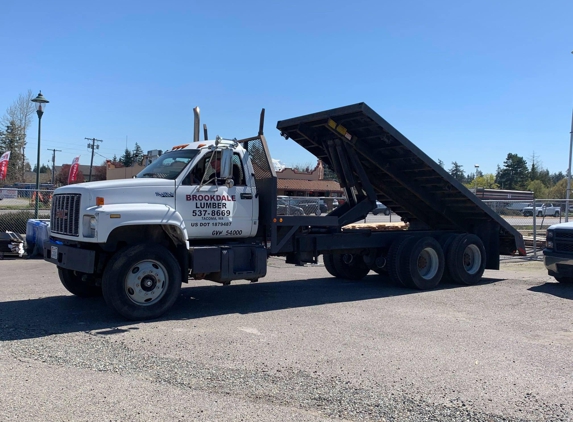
202 190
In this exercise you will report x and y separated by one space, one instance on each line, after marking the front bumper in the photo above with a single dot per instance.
558 264
69 257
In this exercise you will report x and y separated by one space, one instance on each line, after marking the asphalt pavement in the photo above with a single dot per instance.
298 345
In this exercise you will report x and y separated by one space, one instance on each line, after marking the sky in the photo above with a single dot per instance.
465 81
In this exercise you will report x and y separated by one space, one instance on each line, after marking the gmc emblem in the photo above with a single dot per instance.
63 214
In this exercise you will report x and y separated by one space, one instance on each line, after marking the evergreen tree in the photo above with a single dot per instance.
137 154
126 159
12 140
557 177
43 169
329 174
514 173
457 172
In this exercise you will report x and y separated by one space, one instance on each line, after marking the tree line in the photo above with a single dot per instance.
515 174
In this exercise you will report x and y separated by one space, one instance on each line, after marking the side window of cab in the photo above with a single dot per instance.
195 176
197 173
238 171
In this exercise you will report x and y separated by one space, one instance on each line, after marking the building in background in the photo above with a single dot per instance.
292 182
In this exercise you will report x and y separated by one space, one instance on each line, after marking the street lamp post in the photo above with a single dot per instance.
477 168
568 193
40 107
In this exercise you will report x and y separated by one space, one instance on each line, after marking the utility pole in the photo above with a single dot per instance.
54 161
93 146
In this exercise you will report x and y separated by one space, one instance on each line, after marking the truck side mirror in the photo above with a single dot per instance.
226 171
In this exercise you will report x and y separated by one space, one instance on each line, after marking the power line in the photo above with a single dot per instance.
54 161
92 146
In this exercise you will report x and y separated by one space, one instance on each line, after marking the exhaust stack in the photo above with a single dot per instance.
196 124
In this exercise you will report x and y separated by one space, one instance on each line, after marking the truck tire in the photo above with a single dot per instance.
556 214
564 280
75 283
329 264
142 282
465 259
540 214
395 257
387 211
423 263
349 266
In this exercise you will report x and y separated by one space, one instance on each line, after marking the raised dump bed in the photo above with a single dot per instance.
402 177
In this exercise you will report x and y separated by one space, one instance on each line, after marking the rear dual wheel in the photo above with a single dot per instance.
422 263
349 266
466 258
416 262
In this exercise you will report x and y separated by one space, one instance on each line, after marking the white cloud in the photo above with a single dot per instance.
278 165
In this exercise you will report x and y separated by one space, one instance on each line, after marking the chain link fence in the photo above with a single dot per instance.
531 219
17 206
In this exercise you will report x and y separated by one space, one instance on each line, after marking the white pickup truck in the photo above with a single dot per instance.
542 211
558 252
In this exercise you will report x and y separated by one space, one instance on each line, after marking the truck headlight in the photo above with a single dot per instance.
89 225
549 239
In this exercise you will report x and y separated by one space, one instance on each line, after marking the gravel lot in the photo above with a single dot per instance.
308 348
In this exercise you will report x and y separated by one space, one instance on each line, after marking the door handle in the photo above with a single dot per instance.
246 196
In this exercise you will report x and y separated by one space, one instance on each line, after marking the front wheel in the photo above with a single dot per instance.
142 282
78 283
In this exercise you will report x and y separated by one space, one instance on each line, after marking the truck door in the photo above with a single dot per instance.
209 207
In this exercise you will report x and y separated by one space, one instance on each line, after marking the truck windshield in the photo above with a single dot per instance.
169 165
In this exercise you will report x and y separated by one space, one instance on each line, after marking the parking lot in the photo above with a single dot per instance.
298 345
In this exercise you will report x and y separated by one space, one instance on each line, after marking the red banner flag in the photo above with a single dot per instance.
4 165
74 170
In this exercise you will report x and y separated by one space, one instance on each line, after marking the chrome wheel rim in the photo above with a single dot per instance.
146 282
472 259
428 263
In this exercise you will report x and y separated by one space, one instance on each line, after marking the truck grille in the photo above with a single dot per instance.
563 241
65 216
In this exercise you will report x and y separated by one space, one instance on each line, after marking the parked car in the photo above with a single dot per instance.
328 203
381 209
310 206
284 207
